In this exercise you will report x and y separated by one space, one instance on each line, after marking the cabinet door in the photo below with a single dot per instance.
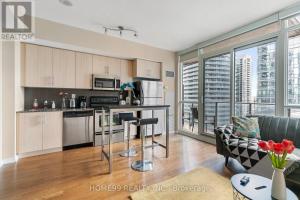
126 71
100 65
63 68
156 70
30 130
52 130
38 66
114 65
84 70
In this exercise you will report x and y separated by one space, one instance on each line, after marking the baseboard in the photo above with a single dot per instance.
8 161
37 153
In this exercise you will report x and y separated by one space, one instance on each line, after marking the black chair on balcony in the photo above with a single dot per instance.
194 117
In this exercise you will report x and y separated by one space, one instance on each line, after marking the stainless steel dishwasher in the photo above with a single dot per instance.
78 127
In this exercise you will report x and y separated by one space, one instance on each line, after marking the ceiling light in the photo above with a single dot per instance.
120 29
66 3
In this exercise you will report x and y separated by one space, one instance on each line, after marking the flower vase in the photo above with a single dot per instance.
278 184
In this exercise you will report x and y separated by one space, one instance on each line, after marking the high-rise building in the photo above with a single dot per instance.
294 71
242 84
265 97
217 90
189 88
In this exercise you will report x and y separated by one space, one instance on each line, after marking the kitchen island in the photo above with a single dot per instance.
111 109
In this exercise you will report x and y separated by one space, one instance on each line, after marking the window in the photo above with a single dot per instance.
190 96
216 92
293 72
255 80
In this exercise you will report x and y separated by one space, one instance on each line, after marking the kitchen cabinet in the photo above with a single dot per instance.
52 130
37 66
64 70
30 128
106 66
84 70
114 66
100 66
39 131
146 69
126 71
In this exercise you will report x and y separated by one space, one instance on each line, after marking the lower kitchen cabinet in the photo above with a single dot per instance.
39 132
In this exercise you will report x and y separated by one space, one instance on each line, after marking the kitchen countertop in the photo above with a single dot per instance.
54 110
134 106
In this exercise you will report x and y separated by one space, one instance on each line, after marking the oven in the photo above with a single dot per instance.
106 83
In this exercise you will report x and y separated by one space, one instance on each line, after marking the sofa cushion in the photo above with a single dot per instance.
246 127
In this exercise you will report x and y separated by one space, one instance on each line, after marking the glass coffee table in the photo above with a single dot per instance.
252 191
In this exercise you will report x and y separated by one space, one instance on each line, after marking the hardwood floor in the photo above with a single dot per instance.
79 173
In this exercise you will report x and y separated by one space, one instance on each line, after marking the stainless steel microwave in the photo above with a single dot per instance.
101 82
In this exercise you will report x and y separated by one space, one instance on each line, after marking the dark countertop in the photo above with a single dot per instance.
135 106
54 110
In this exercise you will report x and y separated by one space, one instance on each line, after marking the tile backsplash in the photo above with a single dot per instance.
52 94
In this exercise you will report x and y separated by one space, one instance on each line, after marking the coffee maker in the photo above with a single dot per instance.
81 102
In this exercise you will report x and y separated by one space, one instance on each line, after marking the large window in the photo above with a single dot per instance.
189 97
216 92
293 94
255 80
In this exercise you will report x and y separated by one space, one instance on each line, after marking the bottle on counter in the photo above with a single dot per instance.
45 104
53 105
73 101
35 104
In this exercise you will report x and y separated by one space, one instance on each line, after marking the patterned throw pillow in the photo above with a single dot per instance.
246 127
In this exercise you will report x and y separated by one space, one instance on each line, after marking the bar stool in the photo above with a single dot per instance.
143 165
128 118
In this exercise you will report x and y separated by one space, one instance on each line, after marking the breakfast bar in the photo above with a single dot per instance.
111 109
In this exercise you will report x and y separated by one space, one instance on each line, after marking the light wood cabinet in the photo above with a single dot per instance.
39 131
52 130
114 66
100 66
126 71
106 66
63 68
146 69
84 70
38 66
30 128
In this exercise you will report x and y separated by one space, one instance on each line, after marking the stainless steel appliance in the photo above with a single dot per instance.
151 93
78 127
101 82
97 102
81 102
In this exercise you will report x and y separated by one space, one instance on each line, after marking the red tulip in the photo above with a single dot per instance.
271 145
278 148
263 145
291 149
288 145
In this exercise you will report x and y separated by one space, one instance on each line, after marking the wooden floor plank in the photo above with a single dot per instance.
79 173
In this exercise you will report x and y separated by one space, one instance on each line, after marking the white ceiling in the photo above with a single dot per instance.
168 24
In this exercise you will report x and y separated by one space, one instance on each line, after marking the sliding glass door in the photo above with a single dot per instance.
254 84
216 92
189 96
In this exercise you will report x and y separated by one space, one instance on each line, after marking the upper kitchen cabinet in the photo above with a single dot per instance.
37 66
106 66
100 66
146 69
126 71
84 70
114 66
64 70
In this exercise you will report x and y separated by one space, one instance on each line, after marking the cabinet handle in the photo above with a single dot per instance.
106 70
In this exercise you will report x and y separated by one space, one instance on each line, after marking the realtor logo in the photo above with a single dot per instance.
16 20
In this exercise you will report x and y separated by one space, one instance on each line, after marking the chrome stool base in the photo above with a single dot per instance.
130 153
142 165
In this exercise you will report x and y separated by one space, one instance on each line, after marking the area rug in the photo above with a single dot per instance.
200 183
